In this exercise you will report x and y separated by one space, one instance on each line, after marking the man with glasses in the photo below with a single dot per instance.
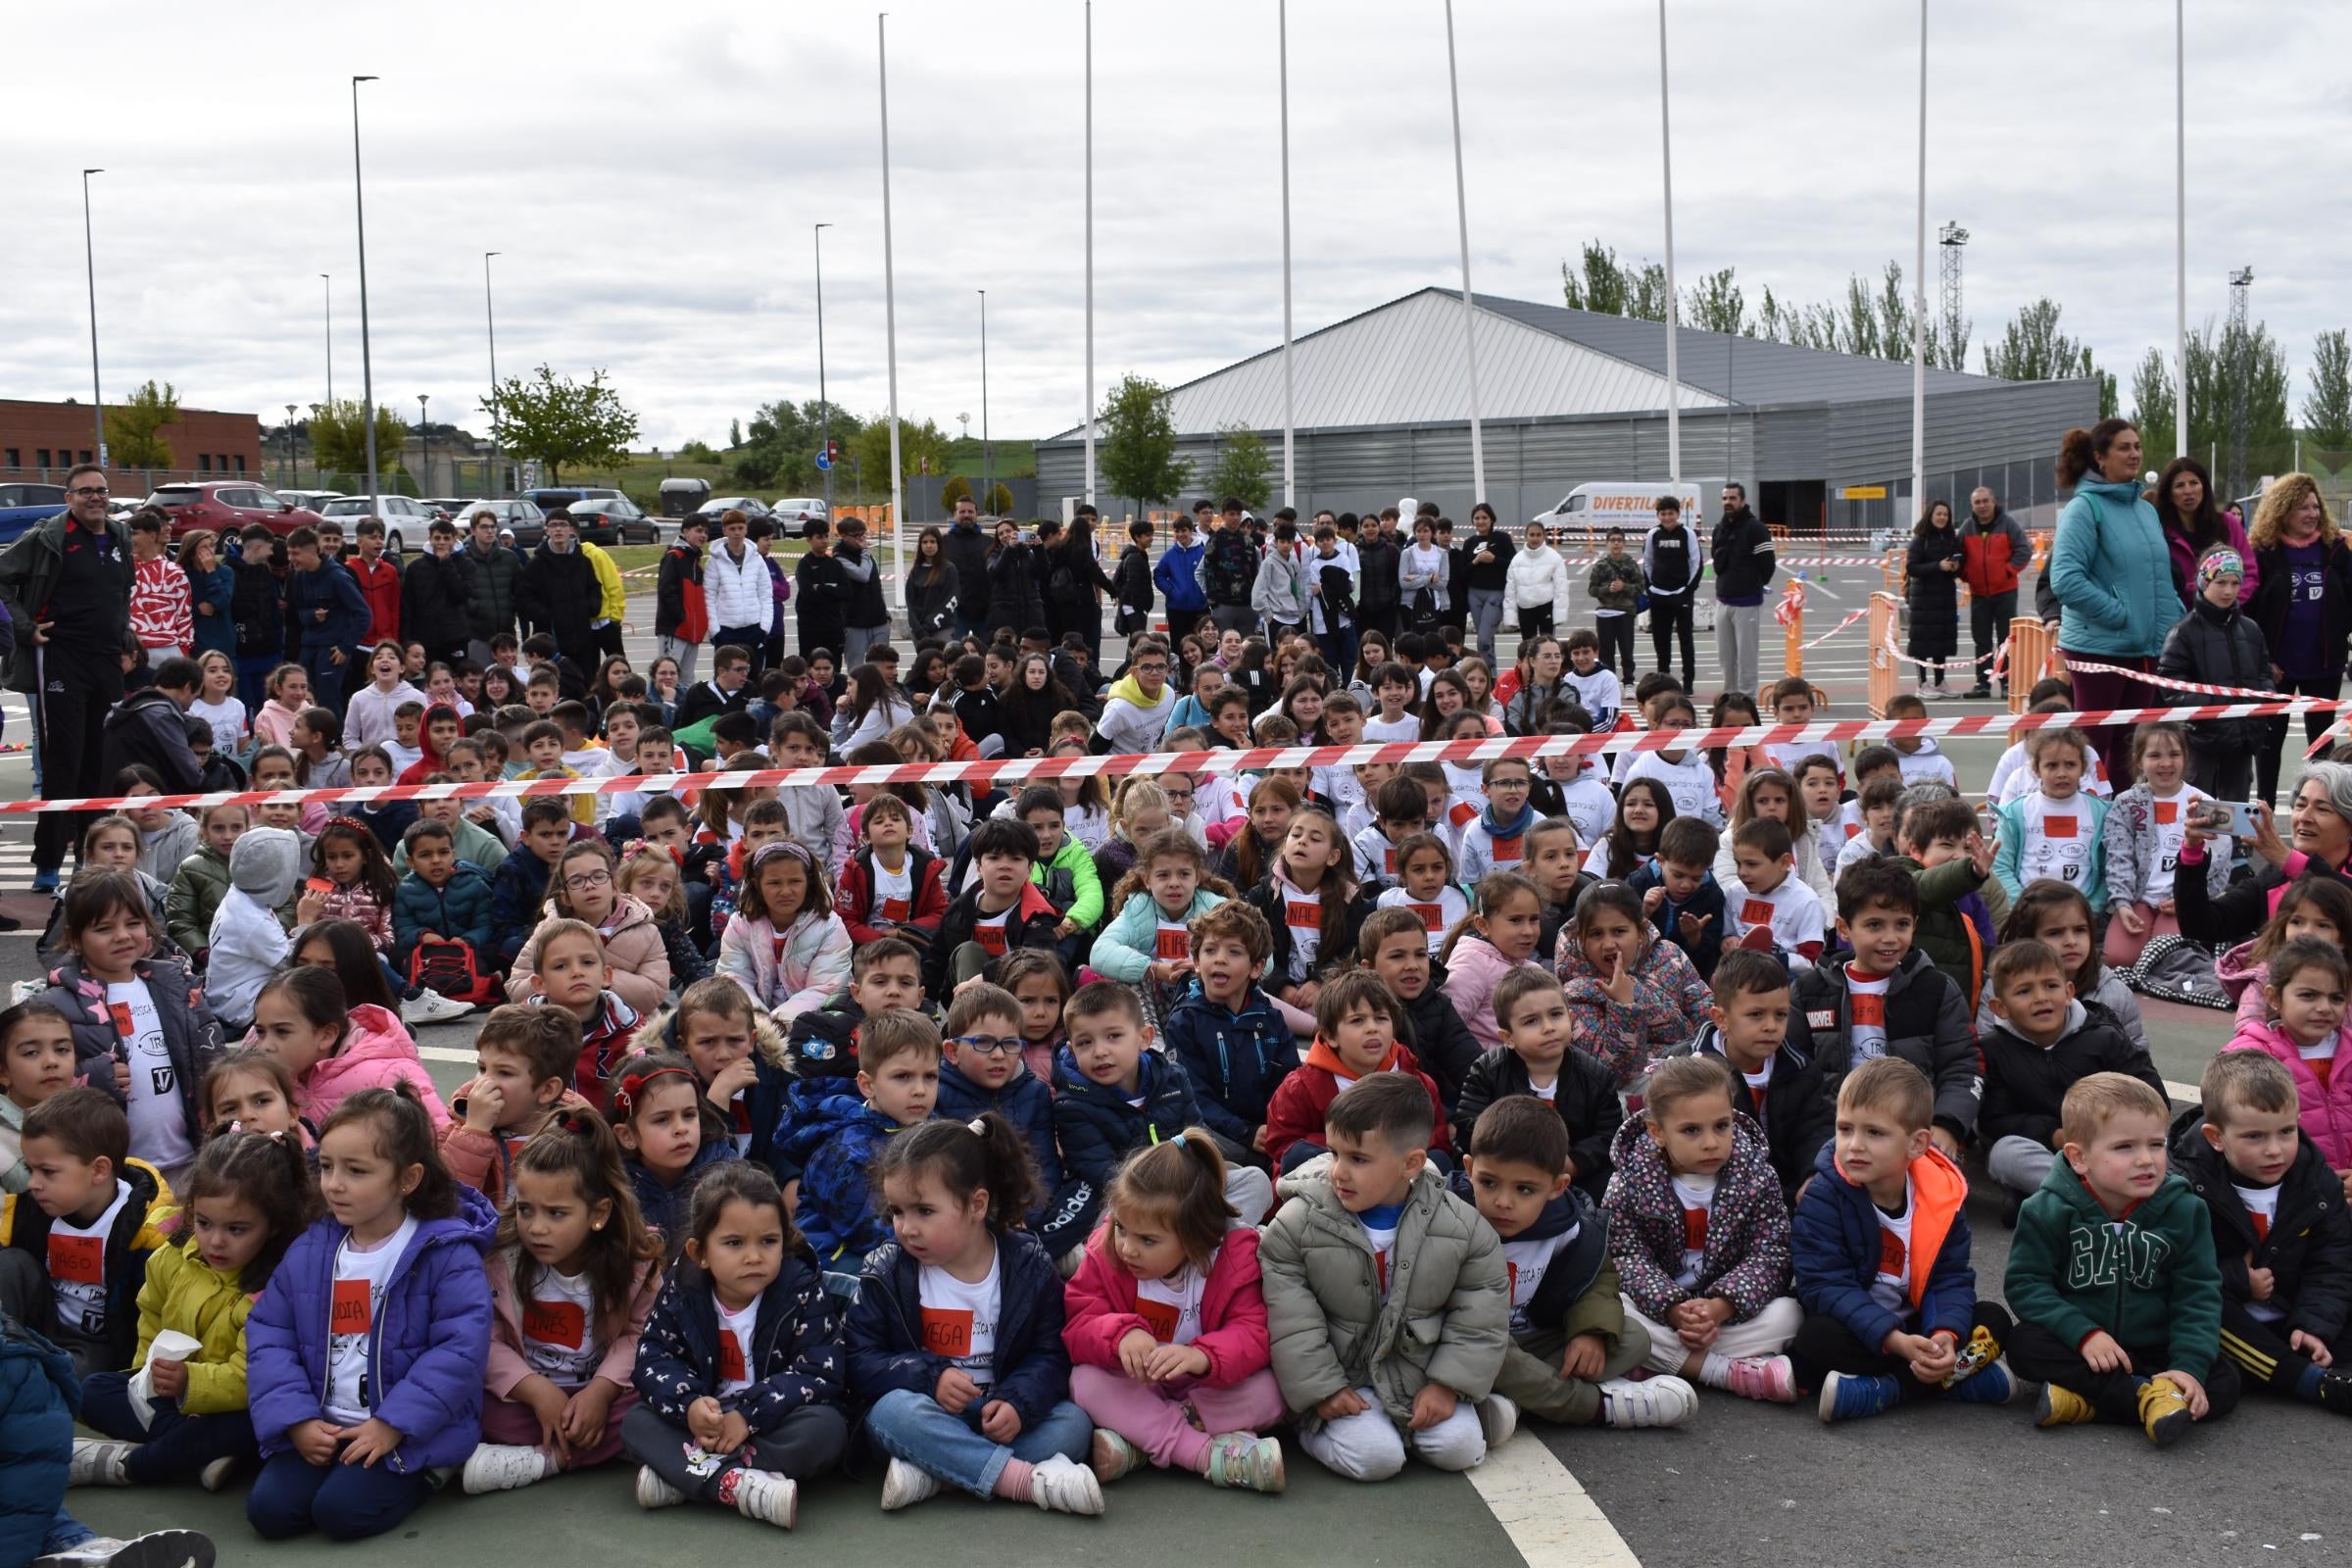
1140 701
66 584
1742 556
496 579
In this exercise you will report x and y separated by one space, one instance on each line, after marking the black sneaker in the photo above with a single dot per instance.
1978 691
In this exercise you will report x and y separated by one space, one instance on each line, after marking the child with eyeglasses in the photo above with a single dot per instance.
984 1071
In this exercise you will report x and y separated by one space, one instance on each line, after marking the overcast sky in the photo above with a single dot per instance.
651 174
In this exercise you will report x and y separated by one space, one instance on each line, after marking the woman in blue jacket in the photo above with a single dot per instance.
2112 574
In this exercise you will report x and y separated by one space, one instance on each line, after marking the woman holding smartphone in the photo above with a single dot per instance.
2318 843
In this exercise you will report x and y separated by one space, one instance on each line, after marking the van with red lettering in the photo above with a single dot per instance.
1594 508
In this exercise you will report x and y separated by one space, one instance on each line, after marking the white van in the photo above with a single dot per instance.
1628 503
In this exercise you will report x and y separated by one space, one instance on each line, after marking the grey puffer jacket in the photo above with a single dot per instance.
1446 1317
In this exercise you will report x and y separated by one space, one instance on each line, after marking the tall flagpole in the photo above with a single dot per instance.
1674 304
890 325
1290 455
1089 252
1461 212
2180 236
1919 295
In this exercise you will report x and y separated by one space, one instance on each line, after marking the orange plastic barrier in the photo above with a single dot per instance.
2033 651
1884 677
1791 616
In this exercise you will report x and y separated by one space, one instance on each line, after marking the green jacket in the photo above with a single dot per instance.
28 570
2148 1279
197 889
1616 584
1447 1316
1943 929
1085 906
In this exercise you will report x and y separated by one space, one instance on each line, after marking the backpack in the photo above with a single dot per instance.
449 967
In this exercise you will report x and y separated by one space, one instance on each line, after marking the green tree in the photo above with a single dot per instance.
135 427
2328 409
696 452
1715 305
958 488
1135 443
779 448
339 438
558 420
922 449
1244 468
2153 406
999 500
1609 287
2033 349
734 433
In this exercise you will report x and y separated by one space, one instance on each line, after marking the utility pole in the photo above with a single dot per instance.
366 361
824 409
89 257
327 279
1953 239
987 489
497 474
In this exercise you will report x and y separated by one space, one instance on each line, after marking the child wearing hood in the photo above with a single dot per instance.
1358 1030
248 941
334 1049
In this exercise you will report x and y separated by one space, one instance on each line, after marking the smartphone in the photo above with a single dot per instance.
2237 818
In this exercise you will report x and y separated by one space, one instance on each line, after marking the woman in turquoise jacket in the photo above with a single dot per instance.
2113 575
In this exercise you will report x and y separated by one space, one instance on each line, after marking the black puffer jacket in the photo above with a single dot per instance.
560 593
2308 1249
258 608
2219 648
497 584
436 600
2276 593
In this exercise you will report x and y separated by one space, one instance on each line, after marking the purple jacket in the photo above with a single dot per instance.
2185 557
431 1340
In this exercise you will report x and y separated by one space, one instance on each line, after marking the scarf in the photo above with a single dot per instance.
1516 829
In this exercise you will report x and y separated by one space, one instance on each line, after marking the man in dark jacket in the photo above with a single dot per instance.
727 691
1742 551
967 548
559 591
436 597
150 728
497 576
824 590
1673 568
865 612
257 608
323 601
1994 551
681 618
1229 570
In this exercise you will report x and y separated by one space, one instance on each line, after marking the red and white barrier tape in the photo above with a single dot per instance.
1835 630
1028 768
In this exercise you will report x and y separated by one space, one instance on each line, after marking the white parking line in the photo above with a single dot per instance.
1551 1520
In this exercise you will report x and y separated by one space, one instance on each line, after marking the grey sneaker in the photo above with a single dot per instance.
1064 1486
1497 1418
216 1475
502 1466
1246 1462
767 1496
98 1462
654 1492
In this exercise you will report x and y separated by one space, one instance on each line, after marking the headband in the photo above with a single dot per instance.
353 823
624 1095
2220 561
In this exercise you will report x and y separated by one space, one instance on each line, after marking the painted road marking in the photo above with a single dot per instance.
446 1054
1551 1520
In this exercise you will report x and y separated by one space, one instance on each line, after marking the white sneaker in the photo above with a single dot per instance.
161 1548
904 1485
215 1475
504 1466
98 1462
433 1008
654 1492
1658 1401
1063 1485
767 1496
1497 1418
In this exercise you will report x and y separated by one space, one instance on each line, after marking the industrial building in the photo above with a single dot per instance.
1822 440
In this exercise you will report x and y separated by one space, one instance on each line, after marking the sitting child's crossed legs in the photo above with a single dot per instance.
1531 1375
1370 1446
1152 1415
1768 1333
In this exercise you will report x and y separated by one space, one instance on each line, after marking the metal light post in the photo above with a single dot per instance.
824 408
890 321
290 445
497 475
987 486
366 361
328 279
425 435
1461 212
1918 294
318 468
89 257
1673 305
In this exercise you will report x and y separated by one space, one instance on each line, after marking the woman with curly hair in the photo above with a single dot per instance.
2303 605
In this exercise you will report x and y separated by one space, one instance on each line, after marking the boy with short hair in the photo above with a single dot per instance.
999 910
1679 895
1875 811
2042 1043
1878 1246
884 973
1064 870
838 1139
1782 1087
406 747
1776 912
1569 1353
1225 1031
1917 755
2112 1276
74 1246
519 888
573 977
2279 1228
543 742
1881 996
1596 685
1358 1032
1397 689
1400 1358
984 1071
815 810
442 900
1399 807
524 1060
1537 1060
1948 858
1789 700
1392 944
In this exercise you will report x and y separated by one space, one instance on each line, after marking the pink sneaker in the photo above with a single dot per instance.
1765 1377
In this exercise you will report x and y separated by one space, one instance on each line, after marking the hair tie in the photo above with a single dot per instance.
978 1131
634 1084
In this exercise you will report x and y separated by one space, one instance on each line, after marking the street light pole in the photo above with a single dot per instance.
366 361
824 409
289 446
89 256
497 474
425 435
987 488
329 278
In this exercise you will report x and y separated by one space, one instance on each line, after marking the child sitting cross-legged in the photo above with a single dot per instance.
2306 1035
572 1280
835 1142
2113 1279
785 946
984 1071
670 1136
740 1367
1633 995
73 1249
1570 1351
1782 1087
999 910
1700 1234
525 1062
2279 1229
442 900
1166 1326
1358 1033
1539 1059
1880 1249
891 886
1399 1357
1391 944
1228 1035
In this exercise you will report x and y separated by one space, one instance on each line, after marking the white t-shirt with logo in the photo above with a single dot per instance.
894 894
159 1126
560 1340
1375 855
2059 839
2168 817
1527 1262
960 1319
360 1275
736 1333
1436 916
1867 1033
2261 1207
1890 1286
1690 783
1171 1307
1792 912
78 1266
1598 694
1697 1195
1303 914
1588 804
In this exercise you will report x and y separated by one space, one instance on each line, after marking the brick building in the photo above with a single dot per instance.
40 441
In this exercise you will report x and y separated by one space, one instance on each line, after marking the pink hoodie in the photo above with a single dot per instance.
1473 971
2242 978
377 1053
2327 1108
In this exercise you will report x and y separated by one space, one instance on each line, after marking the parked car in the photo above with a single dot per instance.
521 517
23 505
798 512
443 506
614 520
229 507
313 498
406 519
749 506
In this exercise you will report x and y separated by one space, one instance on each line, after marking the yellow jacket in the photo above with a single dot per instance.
184 1293
607 578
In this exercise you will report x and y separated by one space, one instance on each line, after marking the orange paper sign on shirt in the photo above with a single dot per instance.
1892 1258
1432 916
1158 1316
1870 1009
896 910
2167 812
2058 827
1172 943
1756 912
555 1323
991 938
76 1259
1695 1230
731 1358
948 1330
349 1312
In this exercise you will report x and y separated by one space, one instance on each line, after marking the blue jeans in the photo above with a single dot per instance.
172 1446
1339 650
913 1427
342 1502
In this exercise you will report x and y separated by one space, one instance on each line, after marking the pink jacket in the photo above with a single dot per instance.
505 1366
790 975
377 1053
633 952
2327 1108
2242 978
273 725
1670 1005
1472 972
1100 1305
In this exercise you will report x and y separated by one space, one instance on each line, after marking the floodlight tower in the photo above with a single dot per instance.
1953 239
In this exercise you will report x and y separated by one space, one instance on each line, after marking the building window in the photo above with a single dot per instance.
14 459
204 463
241 462
44 453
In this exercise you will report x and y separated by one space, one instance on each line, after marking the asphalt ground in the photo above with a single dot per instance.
1742 1484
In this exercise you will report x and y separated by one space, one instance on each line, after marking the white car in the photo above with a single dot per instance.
795 510
711 510
403 517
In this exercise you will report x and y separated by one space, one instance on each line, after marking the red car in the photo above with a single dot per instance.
228 507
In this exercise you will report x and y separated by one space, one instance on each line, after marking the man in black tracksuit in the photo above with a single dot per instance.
1670 560
966 550
1744 559
1376 553
559 591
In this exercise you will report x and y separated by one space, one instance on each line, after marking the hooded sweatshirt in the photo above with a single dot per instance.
2147 1276
1132 721
376 1052
248 943
1294 1113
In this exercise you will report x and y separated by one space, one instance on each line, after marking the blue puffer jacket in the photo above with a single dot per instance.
459 907
834 1142
665 1208
1099 1129
1836 1246
2113 573
431 1338
886 1333
796 1357
1066 1205
1235 1060
37 1399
